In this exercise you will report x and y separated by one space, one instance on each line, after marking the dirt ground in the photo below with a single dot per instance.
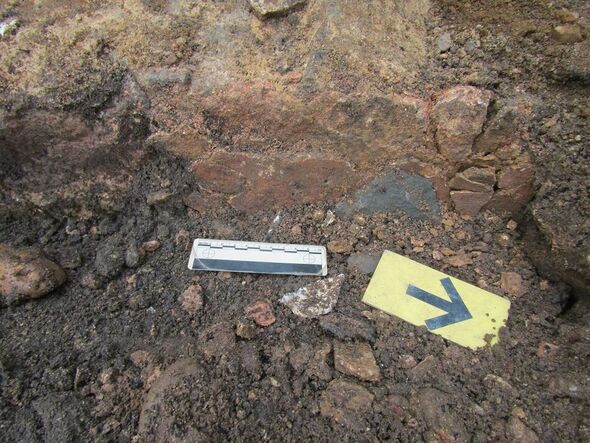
116 353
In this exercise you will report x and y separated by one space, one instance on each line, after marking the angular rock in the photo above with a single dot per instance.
273 8
469 202
515 177
501 130
407 193
318 298
567 33
510 201
474 179
516 189
346 403
8 26
503 240
191 299
459 114
364 263
458 260
345 328
261 312
356 359
26 274
329 220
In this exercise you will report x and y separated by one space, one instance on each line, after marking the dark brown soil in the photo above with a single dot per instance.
57 350
70 369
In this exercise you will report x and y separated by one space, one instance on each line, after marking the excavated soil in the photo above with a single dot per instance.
114 354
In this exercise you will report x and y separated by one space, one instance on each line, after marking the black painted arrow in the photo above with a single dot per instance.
456 311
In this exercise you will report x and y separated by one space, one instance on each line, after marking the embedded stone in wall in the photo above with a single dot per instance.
272 8
474 179
515 189
396 191
470 202
516 176
501 129
458 116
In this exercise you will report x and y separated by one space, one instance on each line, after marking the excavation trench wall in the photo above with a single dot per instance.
267 110
267 101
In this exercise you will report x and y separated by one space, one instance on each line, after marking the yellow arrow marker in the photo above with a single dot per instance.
449 307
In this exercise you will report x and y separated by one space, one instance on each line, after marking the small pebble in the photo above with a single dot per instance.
151 246
339 246
261 312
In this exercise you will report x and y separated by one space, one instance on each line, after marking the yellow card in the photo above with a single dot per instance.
454 309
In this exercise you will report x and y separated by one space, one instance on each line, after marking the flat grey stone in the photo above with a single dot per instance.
396 191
